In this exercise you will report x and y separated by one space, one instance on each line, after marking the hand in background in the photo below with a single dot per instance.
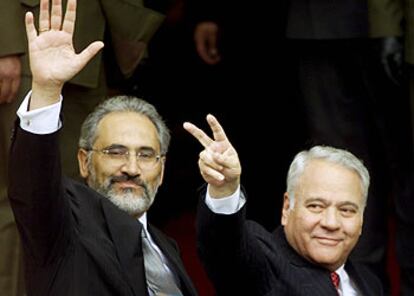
53 60
10 72
219 163
205 38
391 52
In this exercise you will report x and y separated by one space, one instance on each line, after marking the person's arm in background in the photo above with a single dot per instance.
12 45
206 35
385 22
132 24
205 20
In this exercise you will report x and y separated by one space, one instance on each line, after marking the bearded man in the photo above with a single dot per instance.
88 240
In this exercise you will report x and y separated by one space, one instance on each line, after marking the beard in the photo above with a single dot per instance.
126 199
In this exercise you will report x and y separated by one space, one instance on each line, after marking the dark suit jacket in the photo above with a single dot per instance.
242 258
75 241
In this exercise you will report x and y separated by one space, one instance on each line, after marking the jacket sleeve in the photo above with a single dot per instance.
231 253
12 40
385 18
409 32
131 26
41 211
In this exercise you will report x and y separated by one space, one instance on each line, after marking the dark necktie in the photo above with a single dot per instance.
159 280
335 280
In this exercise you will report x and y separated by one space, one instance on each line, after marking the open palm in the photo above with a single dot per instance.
53 60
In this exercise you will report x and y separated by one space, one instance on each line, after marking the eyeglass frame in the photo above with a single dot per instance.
125 156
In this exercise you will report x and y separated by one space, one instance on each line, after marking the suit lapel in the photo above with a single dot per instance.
125 233
360 280
315 278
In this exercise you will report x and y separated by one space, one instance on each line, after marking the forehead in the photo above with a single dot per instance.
130 129
323 179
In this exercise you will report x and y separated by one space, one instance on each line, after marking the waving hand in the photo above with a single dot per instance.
53 60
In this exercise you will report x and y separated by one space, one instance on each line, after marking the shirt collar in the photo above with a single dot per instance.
343 275
143 220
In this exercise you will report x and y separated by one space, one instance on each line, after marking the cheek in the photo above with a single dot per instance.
353 228
303 226
102 173
152 179
307 221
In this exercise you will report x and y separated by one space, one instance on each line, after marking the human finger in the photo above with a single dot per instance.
56 15
198 134
44 18
208 158
209 174
218 131
14 88
70 17
5 90
88 53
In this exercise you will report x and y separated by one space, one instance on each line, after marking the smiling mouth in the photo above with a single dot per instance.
326 241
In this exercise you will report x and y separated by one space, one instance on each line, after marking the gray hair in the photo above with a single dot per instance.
330 154
123 104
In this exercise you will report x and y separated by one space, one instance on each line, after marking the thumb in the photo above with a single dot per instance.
88 53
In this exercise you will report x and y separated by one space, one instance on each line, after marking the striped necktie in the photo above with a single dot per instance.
335 280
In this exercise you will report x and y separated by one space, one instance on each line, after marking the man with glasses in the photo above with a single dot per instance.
88 240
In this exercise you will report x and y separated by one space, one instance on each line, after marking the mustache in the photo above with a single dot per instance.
125 177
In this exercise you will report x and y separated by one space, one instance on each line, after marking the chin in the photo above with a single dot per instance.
327 260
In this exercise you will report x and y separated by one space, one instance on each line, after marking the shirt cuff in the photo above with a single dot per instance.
40 121
227 205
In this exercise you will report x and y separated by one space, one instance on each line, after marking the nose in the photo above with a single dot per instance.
331 219
131 166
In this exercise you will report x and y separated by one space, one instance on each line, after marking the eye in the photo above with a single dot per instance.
116 152
348 211
146 155
315 207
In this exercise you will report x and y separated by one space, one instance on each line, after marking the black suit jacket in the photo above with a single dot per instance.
242 258
75 241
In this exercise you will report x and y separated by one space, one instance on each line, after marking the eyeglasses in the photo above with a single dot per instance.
146 159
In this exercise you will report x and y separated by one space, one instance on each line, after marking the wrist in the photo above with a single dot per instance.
223 190
44 95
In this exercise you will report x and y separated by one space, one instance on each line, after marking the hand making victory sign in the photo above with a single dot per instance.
219 163
53 60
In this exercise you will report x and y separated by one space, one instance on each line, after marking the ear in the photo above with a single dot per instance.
285 209
83 163
163 160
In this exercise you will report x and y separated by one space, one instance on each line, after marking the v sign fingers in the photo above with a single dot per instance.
218 131
198 134
219 163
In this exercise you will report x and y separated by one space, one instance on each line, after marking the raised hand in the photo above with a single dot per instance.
10 71
219 163
53 60
205 38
